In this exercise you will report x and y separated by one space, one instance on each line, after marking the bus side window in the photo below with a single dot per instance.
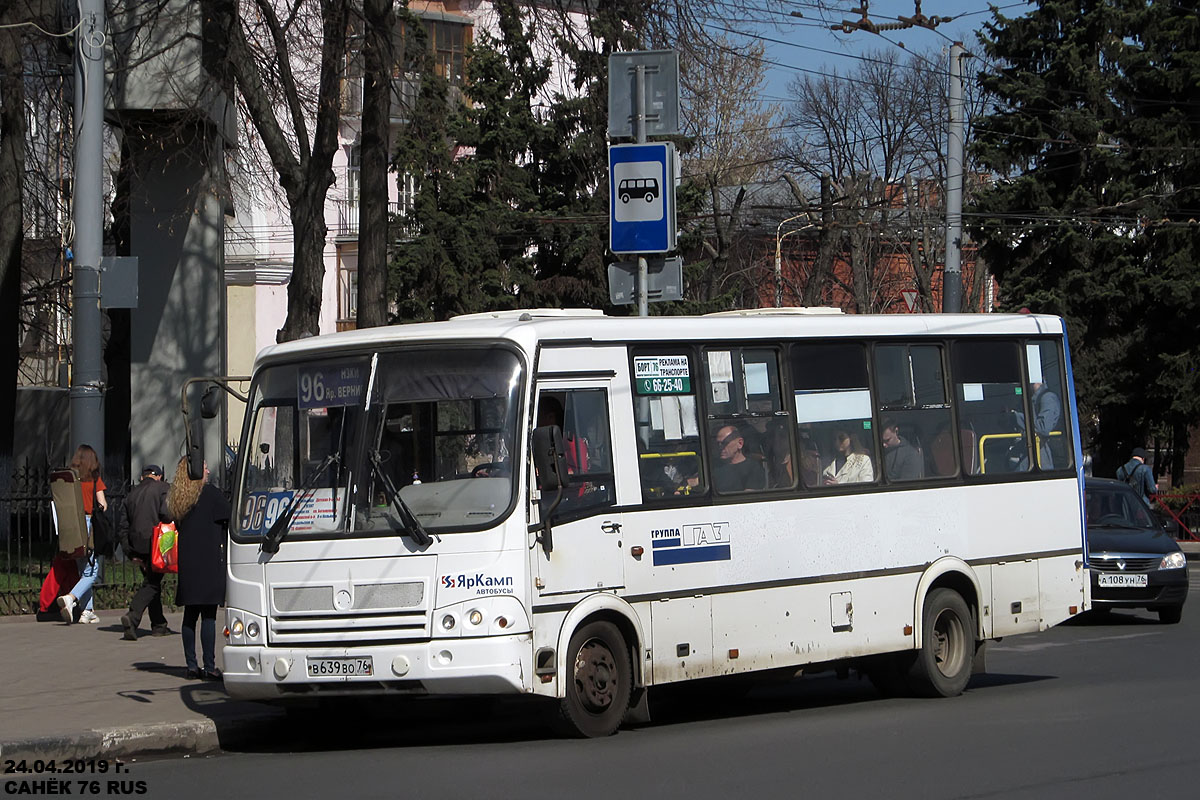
745 403
1044 385
833 413
668 427
913 412
990 394
582 414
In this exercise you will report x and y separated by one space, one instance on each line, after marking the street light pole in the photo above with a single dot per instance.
778 255
952 289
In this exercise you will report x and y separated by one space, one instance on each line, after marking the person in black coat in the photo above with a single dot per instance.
201 515
143 508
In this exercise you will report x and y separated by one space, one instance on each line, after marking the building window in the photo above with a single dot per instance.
348 286
448 42
353 171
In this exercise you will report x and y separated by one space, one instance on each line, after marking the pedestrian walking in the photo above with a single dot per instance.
1137 473
86 464
201 515
139 514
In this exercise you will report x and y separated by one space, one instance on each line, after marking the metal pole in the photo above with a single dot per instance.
639 130
952 289
779 256
87 391
778 274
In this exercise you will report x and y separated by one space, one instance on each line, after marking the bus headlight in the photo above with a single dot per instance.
484 616
1176 560
242 627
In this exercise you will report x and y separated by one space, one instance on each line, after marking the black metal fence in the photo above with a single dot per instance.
31 544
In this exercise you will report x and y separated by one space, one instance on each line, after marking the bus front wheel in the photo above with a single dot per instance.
599 681
943 664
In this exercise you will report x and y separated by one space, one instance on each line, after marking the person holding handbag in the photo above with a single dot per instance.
86 464
201 515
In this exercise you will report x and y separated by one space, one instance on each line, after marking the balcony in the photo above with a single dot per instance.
347 224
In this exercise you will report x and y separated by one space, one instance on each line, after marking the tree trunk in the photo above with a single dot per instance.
373 175
309 230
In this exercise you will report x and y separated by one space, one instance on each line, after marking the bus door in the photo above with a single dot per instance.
585 526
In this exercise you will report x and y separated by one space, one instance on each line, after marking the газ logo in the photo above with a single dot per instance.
482 584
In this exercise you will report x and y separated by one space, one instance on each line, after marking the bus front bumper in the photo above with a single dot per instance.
489 665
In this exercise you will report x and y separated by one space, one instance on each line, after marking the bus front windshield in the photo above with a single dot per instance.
371 445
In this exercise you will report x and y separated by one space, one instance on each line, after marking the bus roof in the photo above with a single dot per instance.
528 327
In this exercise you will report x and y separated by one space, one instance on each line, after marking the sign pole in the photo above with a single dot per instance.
639 127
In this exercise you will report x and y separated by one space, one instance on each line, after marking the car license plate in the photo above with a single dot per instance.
340 667
1123 581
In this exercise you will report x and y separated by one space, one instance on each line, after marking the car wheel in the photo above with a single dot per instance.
599 681
943 664
1171 615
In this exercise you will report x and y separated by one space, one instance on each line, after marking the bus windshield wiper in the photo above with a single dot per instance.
412 526
283 523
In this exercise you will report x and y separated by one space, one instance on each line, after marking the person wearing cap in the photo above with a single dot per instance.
144 507
1137 473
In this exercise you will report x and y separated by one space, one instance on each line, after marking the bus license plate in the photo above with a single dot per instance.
1121 581
339 667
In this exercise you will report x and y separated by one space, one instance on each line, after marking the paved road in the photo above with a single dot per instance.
1097 709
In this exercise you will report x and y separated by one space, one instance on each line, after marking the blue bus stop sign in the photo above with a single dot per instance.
641 181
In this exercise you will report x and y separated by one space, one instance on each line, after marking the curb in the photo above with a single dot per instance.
196 737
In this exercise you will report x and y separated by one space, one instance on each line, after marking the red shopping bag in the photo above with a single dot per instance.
164 548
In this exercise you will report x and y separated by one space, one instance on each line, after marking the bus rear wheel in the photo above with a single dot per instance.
943 664
599 681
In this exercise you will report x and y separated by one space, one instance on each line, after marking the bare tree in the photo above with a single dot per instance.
866 131
734 135
270 57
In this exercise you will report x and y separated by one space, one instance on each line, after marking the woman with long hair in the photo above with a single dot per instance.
201 515
86 464
850 464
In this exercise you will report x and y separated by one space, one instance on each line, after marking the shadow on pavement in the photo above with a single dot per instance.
365 723
1113 618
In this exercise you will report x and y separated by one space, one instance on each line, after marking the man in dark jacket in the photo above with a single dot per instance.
144 507
1137 473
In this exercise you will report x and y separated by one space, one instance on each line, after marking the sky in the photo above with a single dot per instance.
796 45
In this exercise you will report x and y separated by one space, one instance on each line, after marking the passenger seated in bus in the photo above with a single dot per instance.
810 460
901 461
850 465
732 471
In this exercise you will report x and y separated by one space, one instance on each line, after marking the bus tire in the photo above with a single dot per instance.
599 681
943 664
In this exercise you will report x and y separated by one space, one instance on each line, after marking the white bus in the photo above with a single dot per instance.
579 507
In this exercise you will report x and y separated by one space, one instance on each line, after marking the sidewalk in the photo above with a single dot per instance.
81 691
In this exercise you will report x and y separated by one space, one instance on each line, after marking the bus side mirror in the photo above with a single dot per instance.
549 458
210 402
195 450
